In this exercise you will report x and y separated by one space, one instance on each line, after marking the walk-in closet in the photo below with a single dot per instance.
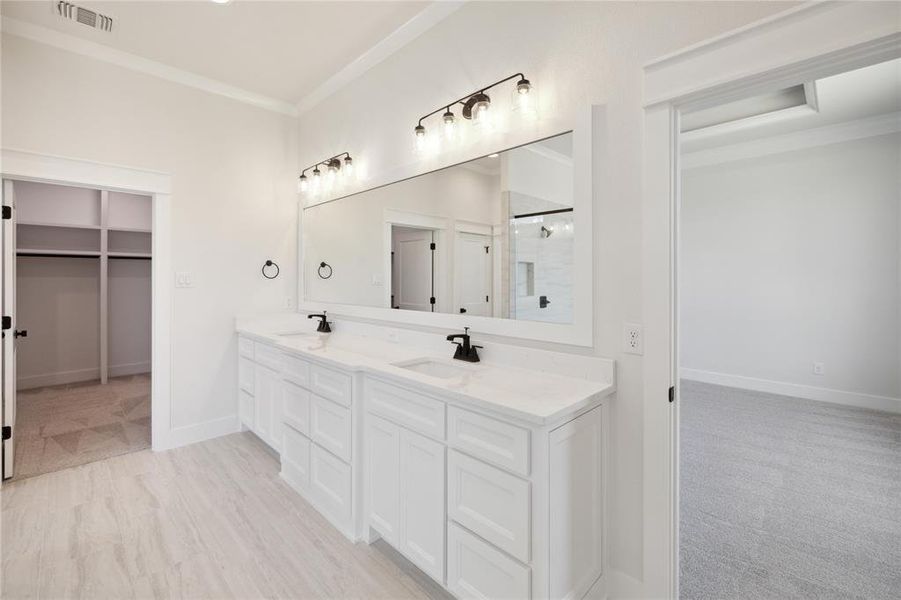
83 325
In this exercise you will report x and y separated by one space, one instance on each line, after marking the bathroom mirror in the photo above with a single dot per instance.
492 237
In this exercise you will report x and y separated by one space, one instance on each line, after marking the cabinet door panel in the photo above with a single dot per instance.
422 502
330 487
264 381
383 454
246 408
296 403
330 426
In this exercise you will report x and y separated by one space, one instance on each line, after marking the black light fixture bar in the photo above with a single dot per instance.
327 162
333 163
465 99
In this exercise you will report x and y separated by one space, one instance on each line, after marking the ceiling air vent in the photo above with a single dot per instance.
70 11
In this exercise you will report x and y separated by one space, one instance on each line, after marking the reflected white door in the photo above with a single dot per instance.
473 274
9 339
413 263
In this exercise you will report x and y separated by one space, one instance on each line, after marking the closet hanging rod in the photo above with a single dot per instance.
113 257
57 255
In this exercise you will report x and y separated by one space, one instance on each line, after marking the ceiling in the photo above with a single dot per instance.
282 50
851 96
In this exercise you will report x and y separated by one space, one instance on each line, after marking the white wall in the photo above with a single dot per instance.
577 54
128 313
233 170
792 259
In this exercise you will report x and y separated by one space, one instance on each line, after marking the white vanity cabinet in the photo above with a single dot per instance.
304 411
488 506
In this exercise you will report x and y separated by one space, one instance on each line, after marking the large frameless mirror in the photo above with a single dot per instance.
492 237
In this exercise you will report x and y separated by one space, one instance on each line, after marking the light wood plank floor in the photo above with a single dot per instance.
67 425
211 520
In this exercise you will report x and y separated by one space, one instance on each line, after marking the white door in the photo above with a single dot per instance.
383 445
473 274
422 513
413 270
9 339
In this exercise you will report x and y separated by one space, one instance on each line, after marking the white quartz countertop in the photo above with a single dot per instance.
534 396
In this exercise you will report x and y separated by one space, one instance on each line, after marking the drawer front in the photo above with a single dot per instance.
420 413
330 426
331 384
267 356
296 407
296 370
490 502
295 459
245 347
476 570
245 401
245 374
495 441
330 486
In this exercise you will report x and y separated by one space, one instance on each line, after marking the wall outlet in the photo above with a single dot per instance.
819 368
183 279
633 338
289 302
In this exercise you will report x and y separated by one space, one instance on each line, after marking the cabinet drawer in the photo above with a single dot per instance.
331 384
296 407
330 426
245 374
420 413
267 356
330 486
496 441
476 570
490 502
295 459
245 408
296 370
245 347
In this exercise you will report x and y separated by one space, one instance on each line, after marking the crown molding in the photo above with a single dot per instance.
76 45
798 140
430 16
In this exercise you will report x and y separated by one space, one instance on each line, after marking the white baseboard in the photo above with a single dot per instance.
191 434
129 369
884 403
621 585
64 377
60 378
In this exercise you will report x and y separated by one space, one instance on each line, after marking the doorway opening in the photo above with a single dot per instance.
789 341
78 288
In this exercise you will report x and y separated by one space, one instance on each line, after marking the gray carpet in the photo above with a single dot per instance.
787 498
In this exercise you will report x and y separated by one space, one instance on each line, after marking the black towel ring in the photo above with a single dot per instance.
270 263
324 265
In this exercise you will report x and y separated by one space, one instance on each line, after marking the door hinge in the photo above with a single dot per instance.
7 322
432 246
486 249
432 300
7 432
672 394
486 298
7 212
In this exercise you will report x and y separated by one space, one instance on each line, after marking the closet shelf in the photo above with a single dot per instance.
63 225
129 229
129 254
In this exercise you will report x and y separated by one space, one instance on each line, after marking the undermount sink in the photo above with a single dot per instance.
297 335
432 368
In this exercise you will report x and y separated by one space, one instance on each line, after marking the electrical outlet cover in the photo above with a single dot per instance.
633 338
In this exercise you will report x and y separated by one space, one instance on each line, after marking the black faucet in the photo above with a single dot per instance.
323 326
465 351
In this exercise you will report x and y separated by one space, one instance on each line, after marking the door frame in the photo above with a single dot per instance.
23 165
438 225
811 41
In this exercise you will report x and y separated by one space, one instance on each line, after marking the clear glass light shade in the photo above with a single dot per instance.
348 167
525 100
419 136
303 184
450 124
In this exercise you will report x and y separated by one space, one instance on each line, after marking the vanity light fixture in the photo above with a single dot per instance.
333 167
476 107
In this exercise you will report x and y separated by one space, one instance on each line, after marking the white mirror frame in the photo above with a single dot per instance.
578 333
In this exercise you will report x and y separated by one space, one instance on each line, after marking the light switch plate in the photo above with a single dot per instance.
183 279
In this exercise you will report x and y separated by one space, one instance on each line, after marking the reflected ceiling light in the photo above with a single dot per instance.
495 155
475 107
333 166
220 1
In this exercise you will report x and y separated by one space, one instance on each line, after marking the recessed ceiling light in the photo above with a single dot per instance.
220 1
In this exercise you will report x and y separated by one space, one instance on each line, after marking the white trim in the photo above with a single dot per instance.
783 388
133 62
775 116
462 226
439 227
199 432
430 16
125 369
29 382
797 140
31 166
805 43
